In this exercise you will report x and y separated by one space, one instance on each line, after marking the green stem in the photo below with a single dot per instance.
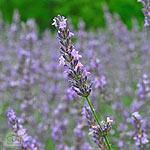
97 120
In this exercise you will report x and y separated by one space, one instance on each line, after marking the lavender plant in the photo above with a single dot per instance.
78 75
26 141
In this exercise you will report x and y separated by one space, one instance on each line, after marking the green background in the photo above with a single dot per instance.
89 10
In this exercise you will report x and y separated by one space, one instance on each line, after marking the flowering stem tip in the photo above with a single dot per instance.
76 72
97 120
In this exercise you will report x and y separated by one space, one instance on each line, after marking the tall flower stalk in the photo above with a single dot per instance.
146 11
76 72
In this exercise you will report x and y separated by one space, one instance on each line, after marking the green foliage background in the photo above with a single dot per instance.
89 10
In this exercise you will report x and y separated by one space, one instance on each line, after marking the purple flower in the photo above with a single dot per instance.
61 23
137 115
141 139
75 54
62 61
27 142
95 129
70 58
140 136
146 11
143 85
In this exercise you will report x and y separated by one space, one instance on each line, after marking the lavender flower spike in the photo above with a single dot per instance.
146 11
77 74
27 142
70 58
93 128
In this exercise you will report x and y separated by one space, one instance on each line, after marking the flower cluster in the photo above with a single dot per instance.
107 125
95 129
27 142
146 11
140 136
77 74
143 90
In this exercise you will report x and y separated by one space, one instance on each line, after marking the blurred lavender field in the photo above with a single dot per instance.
49 114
